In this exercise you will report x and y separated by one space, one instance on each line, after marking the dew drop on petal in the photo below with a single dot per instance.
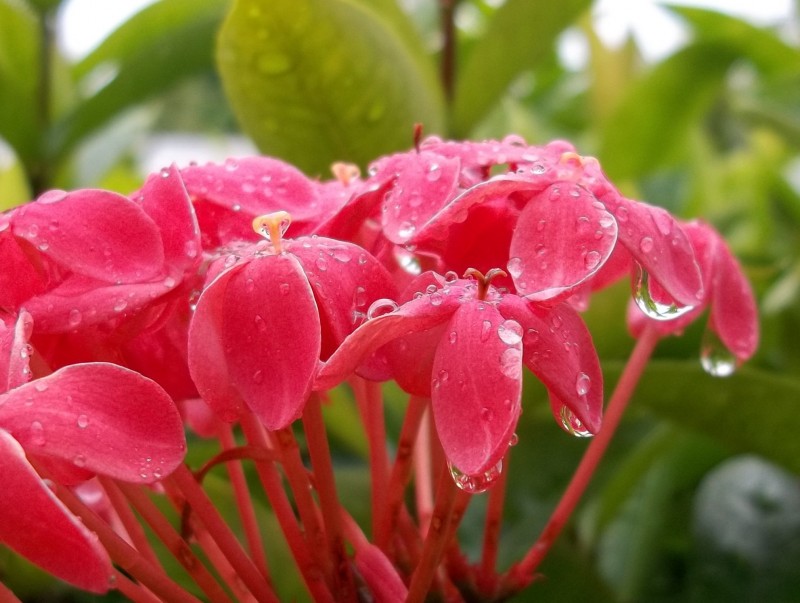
83 421
531 336
450 277
510 332
475 484
572 425
443 375
583 384
321 263
431 289
436 299
655 309
452 337
75 317
591 260
169 282
514 440
120 305
37 434
79 460
360 297
380 307
511 363
486 328
646 244
716 359
260 323
40 387
622 213
406 231
514 267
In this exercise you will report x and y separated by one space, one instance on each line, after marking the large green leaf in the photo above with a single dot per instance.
751 411
520 34
151 52
315 81
19 79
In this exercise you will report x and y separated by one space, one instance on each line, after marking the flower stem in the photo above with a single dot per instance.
133 591
401 470
521 574
128 519
319 450
487 576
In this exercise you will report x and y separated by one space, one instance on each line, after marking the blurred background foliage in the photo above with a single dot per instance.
699 499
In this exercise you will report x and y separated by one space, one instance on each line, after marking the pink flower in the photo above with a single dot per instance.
81 420
463 343
732 333
269 314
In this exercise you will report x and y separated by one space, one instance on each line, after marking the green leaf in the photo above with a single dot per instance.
520 34
19 69
316 81
657 114
751 411
150 53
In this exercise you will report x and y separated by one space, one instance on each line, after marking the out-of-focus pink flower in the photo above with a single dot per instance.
268 315
733 316
90 418
463 343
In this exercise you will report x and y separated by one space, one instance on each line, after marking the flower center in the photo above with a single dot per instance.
483 281
272 227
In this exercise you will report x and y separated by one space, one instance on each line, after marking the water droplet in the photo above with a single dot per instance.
261 325
321 263
575 192
169 282
652 307
555 194
556 321
450 277
258 376
37 434
75 317
248 188
511 363
452 337
406 231
607 221
40 387
164 172
717 360
514 267
360 297
646 244
431 289
231 260
434 172
510 332
572 425
486 414
514 439
83 421
380 307
120 305
443 375
340 254
591 260
436 299
622 213
33 231
486 328
475 484
531 336
79 460
583 384
52 196
190 249
540 226
236 207
538 169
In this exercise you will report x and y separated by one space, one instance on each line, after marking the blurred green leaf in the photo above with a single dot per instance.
521 33
316 81
751 411
775 103
13 185
19 69
150 53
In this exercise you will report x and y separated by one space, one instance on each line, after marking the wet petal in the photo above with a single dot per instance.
40 528
558 349
15 352
271 337
657 242
562 238
207 358
96 233
415 315
101 417
164 198
19 278
345 280
476 386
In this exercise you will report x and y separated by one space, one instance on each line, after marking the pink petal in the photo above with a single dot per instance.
164 198
39 527
656 241
15 352
558 349
425 183
96 233
345 280
476 386
19 278
207 357
102 417
562 238
271 335
411 359
413 316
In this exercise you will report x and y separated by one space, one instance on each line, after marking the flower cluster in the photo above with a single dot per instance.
241 293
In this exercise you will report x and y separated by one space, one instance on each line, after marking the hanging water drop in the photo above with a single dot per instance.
716 359
380 307
475 484
650 304
572 425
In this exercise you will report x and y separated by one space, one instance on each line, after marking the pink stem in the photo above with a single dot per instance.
244 502
423 483
133 591
401 471
177 546
319 450
7 595
130 523
521 574
273 487
487 577
207 513
369 398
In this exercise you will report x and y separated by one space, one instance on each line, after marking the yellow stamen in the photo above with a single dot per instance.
345 172
272 227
